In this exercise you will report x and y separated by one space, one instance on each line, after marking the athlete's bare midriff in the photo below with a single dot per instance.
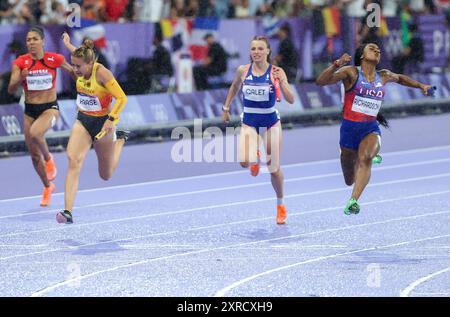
40 97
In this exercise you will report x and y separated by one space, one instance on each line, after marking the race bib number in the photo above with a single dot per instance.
256 93
88 103
366 106
40 82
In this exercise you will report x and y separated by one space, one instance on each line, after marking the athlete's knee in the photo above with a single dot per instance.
274 170
75 161
36 135
365 158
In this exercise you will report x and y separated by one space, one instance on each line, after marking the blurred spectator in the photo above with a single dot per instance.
138 77
115 10
287 54
145 75
6 12
412 54
447 16
160 65
316 4
242 9
161 62
282 8
254 6
444 4
264 10
19 11
177 9
214 64
151 11
15 49
390 8
191 9
355 8
129 14
301 9
221 7
405 20
93 10
417 6
53 11
430 7
206 8
232 4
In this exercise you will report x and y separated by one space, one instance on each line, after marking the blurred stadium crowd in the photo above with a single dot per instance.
54 11
143 75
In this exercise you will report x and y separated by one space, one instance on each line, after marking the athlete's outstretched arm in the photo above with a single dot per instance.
66 40
279 74
403 80
334 72
66 66
234 88
106 78
17 76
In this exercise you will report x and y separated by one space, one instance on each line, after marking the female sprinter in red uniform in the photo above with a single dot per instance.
95 125
36 72
260 118
360 133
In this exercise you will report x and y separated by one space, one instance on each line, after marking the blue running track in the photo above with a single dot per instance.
208 229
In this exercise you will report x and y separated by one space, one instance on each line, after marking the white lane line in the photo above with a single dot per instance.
203 191
176 212
26 246
432 294
387 154
298 246
225 290
405 292
82 277
291 215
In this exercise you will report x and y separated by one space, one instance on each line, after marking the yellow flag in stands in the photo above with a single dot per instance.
384 30
166 28
331 21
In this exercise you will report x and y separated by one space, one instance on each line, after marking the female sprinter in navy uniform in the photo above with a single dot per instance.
95 125
36 72
360 133
260 118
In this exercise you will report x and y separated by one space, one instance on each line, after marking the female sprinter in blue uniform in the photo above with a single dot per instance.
260 118
364 94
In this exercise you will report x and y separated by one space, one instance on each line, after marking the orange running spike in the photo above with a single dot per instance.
50 168
47 194
281 214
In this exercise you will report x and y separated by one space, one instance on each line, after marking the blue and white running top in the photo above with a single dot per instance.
259 99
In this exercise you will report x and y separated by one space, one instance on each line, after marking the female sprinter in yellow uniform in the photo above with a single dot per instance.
95 125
